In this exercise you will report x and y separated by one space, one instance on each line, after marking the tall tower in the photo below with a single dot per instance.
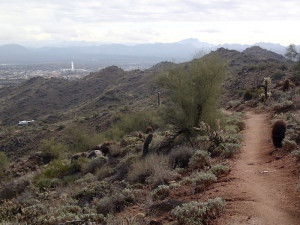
72 66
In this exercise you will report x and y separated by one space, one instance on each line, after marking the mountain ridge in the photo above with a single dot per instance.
121 54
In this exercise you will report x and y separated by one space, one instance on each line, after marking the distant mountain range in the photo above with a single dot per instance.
144 55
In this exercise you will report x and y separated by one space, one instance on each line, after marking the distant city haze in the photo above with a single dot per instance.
53 23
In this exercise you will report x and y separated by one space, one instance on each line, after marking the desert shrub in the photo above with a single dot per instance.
44 182
160 193
289 144
104 171
127 123
296 154
78 141
54 173
15 187
180 156
238 123
233 104
70 212
296 68
219 170
3 162
278 133
8 210
31 213
200 159
252 93
293 134
96 189
227 150
155 169
115 203
278 75
276 94
235 138
193 92
231 129
115 150
52 150
283 106
95 164
198 213
86 179
200 180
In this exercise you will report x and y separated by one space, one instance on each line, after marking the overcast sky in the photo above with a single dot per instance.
140 21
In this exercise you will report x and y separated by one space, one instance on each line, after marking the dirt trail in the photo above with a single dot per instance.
260 190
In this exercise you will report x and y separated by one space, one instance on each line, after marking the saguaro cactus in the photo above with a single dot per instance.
286 85
267 84
278 133
158 98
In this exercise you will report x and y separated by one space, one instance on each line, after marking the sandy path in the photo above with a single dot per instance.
258 191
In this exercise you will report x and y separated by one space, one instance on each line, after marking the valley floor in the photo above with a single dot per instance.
261 188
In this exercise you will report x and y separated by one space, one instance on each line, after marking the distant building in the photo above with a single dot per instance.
25 122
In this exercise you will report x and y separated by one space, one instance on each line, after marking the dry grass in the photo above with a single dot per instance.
154 169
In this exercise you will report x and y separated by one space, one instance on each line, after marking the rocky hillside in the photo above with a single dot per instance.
250 67
40 97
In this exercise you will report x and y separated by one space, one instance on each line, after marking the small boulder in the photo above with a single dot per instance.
94 154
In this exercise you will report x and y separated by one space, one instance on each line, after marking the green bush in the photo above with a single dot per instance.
51 150
296 154
70 212
95 164
200 180
278 75
198 213
219 170
289 145
116 202
283 106
193 92
160 193
235 120
55 172
227 150
96 189
127 123
200 159
78 141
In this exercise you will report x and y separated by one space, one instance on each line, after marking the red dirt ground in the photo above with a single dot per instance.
261 188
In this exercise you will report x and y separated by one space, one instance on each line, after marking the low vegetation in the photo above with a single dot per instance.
189 135
198 213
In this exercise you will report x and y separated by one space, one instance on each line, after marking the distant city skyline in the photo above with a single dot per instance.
133 21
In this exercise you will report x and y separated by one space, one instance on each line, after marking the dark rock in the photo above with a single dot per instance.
94 153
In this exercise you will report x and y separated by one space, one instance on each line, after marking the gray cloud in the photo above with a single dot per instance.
95 19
